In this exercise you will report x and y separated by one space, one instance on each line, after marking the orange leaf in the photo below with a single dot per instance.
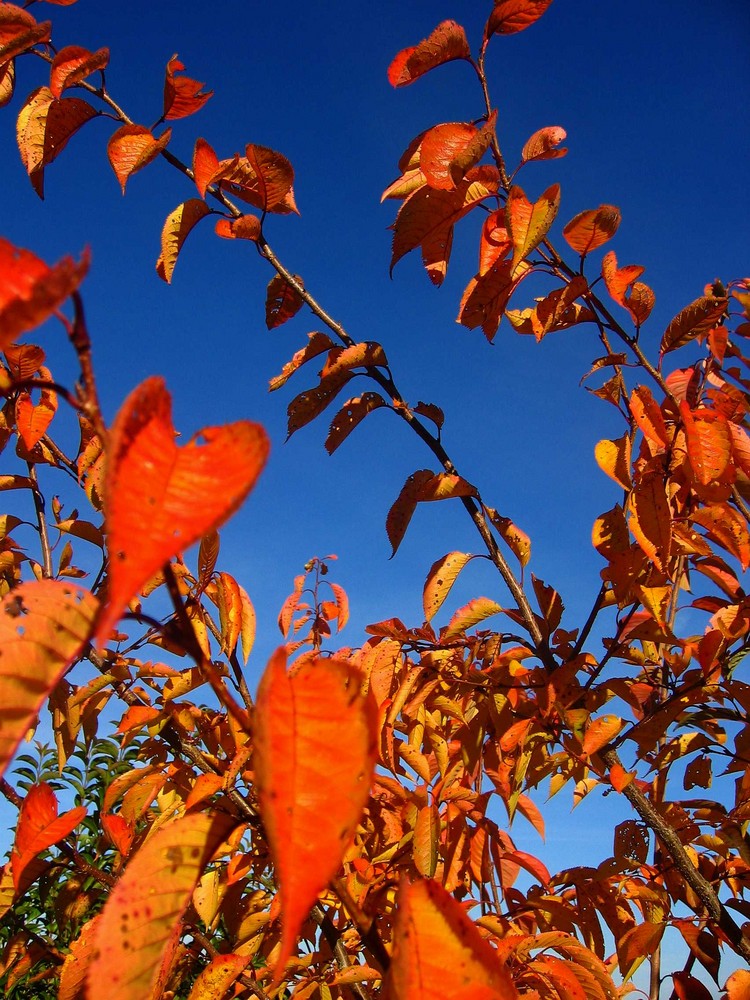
495 242
274 179
158 498
7 82
315 749
182 96
650 519
447 42
528 224
205 165
613 458
426 840
32 420
246 227
727 527
39 827
402 510
133 147
697 318
282 301
601 731
213 982
618 280
19 31
709 443
512 16
73 64
590 229
440 580
738 985
439 952
44 127
516 539
318 343
351 413
647 414
542 144
230 611
477 610
636 945
43 627
311 403
487 295
176 230
449 151
140 924
427 217
75 968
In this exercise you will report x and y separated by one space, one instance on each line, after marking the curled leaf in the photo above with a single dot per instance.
177 227
447 42
73 64
528 224
182 96
133 147
44 127
543 145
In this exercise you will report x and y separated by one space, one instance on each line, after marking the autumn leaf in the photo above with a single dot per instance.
601 731
495 242
528 224
44 127
182 96
695 319
448 151
186 491
403 508
426 840
315 748
443 574
543 144
33 419
7 82
514 537
613 458
349 416
214 981
282 302
140 924
439 952
19 31
133 147
73 64
427 217
589 230
177 228
39 827
317 344
447 42
709 444
487 295
650 519
649 417
44 625
512 16
477 610
246 227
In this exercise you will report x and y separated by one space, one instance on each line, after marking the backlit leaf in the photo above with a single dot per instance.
246 227
495 242
19 31
182 96
73 64
447 42
427 217
487 295
315 749
44 625
512 16
439 952
158 498
140 924
709 444
402 510
133 147
449 151
7 82
727 527
274 178
426 840
647 414
613 458
282 302
697 318
39 827
590 229
477 610
349 416
543 144
205 165
516 539
74 969
318 343
600 732
311 403
440 580
528 224
650 519
636 945
213 982
230 611
248 629
33 419
619 279
177 228
44 127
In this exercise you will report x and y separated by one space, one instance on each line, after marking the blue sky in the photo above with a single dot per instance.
653 99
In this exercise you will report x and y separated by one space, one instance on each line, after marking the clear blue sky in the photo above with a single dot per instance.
653 97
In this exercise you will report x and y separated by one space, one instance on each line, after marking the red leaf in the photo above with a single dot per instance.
205 165
158 498
182 96
32 420
43 627
246 227
512 16
692 321
709 444
282 301
19 31
439 952
449 151
542 144
39 827
44 127
177 228
274 178
133 147
487 296
315 750
73 64
588 230
495 242
140 924
447 42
